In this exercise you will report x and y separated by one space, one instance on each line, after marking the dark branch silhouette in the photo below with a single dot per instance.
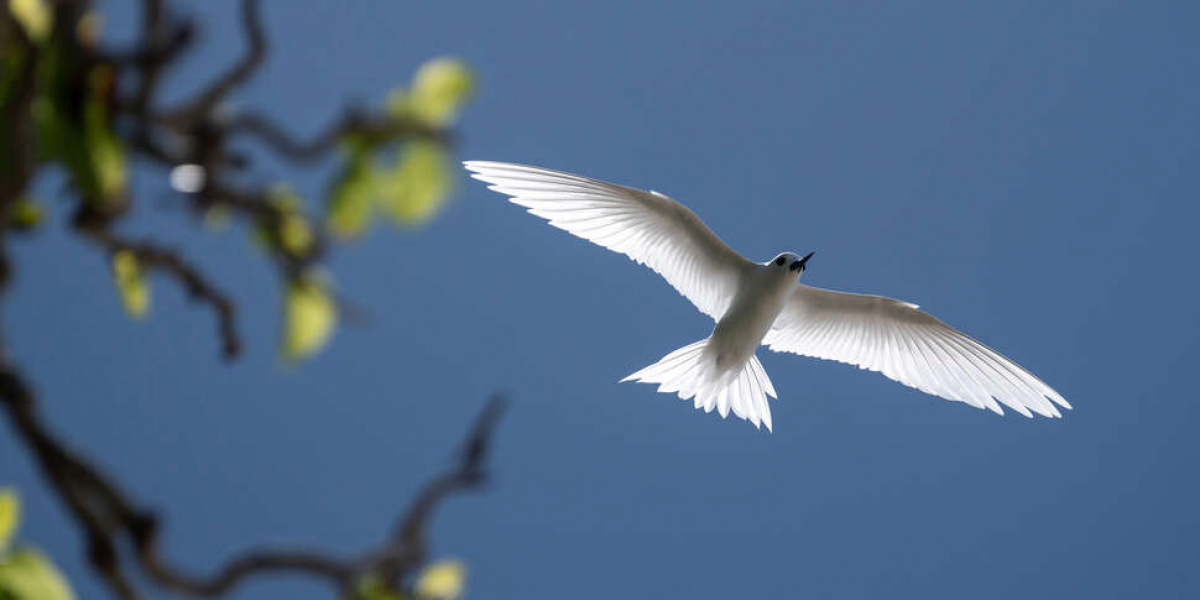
154 256
107 515
122 536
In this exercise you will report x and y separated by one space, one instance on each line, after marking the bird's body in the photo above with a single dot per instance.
764 303
759 300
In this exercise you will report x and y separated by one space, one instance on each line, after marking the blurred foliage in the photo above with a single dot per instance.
436 94
34 16
90 113
10 516
130 280
372 588
353 196
26 215
442 580
400 167
25 573
414 184
292 233
310 315
415 189
78 132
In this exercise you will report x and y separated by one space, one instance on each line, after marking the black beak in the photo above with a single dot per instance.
799 265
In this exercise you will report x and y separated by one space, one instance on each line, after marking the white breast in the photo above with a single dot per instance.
758 302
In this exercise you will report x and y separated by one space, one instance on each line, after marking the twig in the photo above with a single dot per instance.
120 534
338 572
154 256
106 515
202 106
407 549
352 123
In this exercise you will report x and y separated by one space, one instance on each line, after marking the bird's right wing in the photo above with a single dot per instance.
909 346
648 227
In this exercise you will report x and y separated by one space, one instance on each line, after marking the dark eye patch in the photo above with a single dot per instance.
779 261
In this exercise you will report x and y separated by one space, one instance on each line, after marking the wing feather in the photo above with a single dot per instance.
648 227
908 346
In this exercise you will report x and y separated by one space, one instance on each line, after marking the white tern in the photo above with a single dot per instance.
764 303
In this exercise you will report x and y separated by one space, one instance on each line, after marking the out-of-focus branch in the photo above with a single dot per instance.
153 256
122 537
352 123
338 572
108 517
407 549
206 100
16 147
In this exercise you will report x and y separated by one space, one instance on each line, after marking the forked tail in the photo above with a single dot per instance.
692 373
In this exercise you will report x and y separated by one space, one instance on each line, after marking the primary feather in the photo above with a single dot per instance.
648 227
909 346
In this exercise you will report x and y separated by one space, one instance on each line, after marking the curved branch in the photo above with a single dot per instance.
202 106
406 549
106 515
352 123
197 285
339 573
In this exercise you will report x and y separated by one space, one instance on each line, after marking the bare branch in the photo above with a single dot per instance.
407 549
202 106
154 256
352 123
121 535
106 515
338 572
16 147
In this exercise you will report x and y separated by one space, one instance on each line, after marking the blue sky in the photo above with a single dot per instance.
1026 171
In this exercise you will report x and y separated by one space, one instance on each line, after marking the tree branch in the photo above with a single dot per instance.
153 256
407 549
106 515
353 123
120 534
206 100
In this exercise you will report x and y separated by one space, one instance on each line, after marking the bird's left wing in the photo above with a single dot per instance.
909 346
648 227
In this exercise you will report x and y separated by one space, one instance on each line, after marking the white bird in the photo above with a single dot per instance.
764 303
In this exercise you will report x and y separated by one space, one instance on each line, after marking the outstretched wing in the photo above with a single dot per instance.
648 227
909 346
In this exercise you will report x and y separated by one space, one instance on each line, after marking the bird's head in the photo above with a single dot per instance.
791 263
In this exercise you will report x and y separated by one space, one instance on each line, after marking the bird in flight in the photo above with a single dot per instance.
764 303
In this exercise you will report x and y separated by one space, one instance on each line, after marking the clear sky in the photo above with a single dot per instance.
1026 171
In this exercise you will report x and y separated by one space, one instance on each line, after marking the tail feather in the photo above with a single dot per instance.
691 373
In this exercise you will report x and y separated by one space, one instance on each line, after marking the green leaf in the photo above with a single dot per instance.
443 580
34 16
294 235
218 217
107 157
371 588
418 186
310 315
130 279
12 58
438 91
55 133
80 134
26 214
352 197
28 575
10 516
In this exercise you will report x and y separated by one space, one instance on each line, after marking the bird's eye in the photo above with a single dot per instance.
779 261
